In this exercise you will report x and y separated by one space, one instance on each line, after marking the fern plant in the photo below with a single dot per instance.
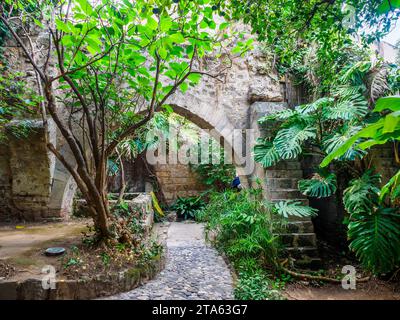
294 208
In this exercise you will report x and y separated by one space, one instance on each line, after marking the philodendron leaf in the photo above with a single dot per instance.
318 186
266 154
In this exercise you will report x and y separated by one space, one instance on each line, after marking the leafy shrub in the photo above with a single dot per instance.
243 226
255 286
218 176
373 229
246 228
186 208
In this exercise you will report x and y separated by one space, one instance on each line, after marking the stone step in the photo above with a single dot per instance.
269 173
305 226
287 194
287 165
282 183
302 252
304 201
299 239
308 263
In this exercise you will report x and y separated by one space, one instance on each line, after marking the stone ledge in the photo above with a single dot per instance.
100 286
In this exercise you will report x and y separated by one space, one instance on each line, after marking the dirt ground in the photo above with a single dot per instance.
371 290
22 246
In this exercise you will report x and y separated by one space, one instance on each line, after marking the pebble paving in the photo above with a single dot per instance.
193 271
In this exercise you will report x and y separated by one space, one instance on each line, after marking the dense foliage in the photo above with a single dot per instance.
187 208
318 48
246 229
116 63
313 40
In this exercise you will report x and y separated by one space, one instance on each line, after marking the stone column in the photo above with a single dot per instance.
31 167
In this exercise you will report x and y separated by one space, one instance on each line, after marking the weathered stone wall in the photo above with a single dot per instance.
37 185
27 168
7 210
213 104
178 180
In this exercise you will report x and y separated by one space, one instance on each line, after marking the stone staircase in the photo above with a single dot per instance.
300 239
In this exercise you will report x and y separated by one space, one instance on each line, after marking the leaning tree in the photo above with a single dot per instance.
103 68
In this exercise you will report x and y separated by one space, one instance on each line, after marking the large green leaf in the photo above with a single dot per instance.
391 187
347 108
337 139
294 208
280 115
288 141
369 131
375 239
314 106
265 153
318 186
362 193
391 103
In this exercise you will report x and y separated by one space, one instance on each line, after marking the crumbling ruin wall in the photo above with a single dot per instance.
214 104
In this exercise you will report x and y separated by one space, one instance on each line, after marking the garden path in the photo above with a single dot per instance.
194 270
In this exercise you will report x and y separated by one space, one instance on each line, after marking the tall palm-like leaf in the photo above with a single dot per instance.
294 208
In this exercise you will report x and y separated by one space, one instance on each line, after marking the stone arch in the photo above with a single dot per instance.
221 129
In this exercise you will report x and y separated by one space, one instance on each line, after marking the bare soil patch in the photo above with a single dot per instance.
371 290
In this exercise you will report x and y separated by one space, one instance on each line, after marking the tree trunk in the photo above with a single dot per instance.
123 182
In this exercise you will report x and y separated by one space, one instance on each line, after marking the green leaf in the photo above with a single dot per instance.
93 45
165 24
85 6
62 26
266 154
375 239
177 38
294 208
280 115
391 122
316 105
163 53
194 77
387 5
318 186
362 193
288 142
391 103
151 23
347 108
184 86
368 131
335 141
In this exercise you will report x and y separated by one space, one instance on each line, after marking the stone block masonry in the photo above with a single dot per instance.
27 169
178 180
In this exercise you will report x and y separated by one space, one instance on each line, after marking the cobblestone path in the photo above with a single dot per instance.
193 270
